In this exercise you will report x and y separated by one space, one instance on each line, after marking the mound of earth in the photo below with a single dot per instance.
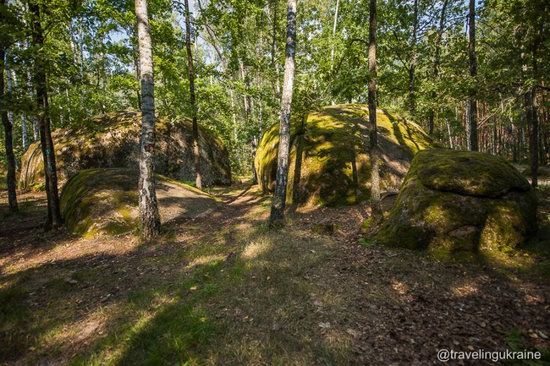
335 166
112 141
98 202
461 200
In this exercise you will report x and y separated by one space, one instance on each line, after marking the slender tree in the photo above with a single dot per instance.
279 196
148 208
412 67
192 97
437 61
532 121
274 63
472 101
50 171
8 136
538 31
334 24
374 153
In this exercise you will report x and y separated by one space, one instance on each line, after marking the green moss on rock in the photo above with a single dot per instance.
98 202
456 200
469 174
112 141
335 165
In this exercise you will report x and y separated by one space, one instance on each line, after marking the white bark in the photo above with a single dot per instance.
279 197
334 33
150 219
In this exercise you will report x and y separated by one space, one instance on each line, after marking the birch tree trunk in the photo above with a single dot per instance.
335 23
472 102
192 96
148 208
8 139
279 196
274 62
33 117
50 171
374 153
24 132
412 68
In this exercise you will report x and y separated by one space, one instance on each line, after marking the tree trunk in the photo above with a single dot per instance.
33 117
148 208
532 124
8 140
472 102
412 98
437 61
135 55
10 82
449 132
279 196
335 23
296 194
254 146
373 134
274 62
191 74
50 172
24 132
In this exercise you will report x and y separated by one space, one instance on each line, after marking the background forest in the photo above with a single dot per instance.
91 55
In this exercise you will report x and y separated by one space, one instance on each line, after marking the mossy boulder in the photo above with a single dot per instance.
112 141
461 200
335 166
97 202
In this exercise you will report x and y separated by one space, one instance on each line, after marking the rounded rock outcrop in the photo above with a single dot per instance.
460 200
335 167
97 202
112 141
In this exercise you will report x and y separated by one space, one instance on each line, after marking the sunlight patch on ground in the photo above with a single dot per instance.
126 339
255 249
68 336
534 299
466 289
204 260
400 287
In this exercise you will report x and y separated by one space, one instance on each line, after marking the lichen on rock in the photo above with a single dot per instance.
335 165
112 141
97 202
460 200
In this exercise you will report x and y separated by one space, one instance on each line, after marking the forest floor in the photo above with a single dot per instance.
224 289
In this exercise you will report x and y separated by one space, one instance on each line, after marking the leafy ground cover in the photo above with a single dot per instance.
223 289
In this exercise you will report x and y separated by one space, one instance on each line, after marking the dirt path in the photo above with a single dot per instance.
223 289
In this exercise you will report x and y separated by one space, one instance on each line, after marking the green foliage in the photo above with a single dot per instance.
91 55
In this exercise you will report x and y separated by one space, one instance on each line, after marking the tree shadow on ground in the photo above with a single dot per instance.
234 292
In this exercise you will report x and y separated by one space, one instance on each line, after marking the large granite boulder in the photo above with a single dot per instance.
333 144
112 141
97 202
461 200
